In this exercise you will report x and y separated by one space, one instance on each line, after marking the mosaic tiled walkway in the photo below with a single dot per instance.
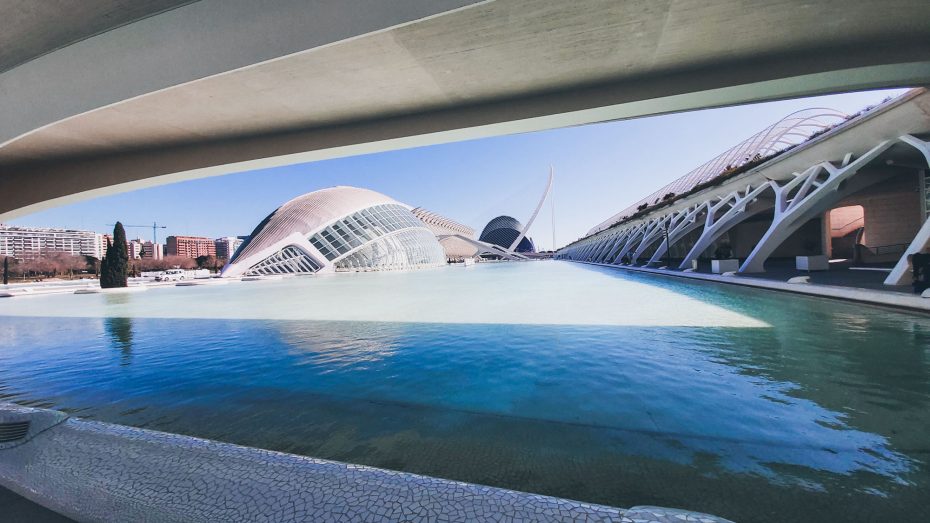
95 471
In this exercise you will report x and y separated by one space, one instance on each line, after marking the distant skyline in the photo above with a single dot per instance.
599 170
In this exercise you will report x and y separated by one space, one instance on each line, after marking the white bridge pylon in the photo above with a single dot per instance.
529 224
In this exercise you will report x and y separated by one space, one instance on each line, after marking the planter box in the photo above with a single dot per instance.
722 266
812 263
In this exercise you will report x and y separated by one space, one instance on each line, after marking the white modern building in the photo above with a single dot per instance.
33 242
816 189
457 240
337 229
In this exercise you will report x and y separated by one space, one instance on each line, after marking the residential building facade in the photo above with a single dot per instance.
227 245
33 242
190 246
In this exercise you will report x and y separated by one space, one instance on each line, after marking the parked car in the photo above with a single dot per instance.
172 275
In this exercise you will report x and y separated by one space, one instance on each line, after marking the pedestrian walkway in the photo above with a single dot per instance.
838 283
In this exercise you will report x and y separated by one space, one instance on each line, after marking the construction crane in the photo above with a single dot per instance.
154 227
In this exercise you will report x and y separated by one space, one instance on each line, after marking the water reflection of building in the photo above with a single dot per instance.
333 345
337 229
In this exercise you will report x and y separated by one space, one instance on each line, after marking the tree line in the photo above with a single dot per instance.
113 270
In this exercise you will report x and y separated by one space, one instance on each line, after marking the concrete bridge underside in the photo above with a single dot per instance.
102 96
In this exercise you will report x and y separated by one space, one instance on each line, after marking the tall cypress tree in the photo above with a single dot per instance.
114 267
105 280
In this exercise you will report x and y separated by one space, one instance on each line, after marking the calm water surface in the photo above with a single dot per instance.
550 377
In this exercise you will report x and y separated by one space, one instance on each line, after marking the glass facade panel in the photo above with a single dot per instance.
289 260
361 227
407 249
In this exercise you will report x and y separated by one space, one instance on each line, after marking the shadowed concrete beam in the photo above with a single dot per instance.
194 41
191 92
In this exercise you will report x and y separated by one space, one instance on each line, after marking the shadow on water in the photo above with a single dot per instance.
823 416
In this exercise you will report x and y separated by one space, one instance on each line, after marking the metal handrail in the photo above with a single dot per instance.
860 219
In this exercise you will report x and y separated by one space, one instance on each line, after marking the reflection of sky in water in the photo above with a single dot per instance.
617 378
787 390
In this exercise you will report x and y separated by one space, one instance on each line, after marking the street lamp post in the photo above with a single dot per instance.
668 250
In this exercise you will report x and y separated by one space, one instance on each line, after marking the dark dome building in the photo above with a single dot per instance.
502 231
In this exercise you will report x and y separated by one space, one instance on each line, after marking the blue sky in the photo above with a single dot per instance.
599 170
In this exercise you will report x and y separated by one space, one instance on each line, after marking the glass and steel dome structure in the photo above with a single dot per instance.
337 229
502 231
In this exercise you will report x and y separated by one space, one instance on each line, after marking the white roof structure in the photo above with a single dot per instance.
340 228
787 132
457 240
439 224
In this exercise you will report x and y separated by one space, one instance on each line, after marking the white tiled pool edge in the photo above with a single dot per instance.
94 471
872 297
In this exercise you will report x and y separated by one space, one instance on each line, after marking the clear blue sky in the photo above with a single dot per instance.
599 170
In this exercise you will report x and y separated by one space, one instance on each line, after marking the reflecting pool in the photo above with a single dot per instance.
550 377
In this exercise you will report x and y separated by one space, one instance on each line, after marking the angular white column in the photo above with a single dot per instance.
683 223
738 206
630 242
653 233
900 274
605 247
621 240
818 188
591 247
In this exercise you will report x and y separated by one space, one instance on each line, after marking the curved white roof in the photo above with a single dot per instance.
308 213
293 224
439 224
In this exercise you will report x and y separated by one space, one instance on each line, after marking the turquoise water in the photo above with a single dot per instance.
550 377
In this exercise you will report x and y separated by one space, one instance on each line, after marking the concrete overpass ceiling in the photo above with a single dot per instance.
218 86
32 28
494 51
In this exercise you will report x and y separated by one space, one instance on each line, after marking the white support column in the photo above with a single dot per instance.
684 223
622 238
812 197
900 274
608 245
586 248
631 241
651 235
741 207
592 248
604 247
582 249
